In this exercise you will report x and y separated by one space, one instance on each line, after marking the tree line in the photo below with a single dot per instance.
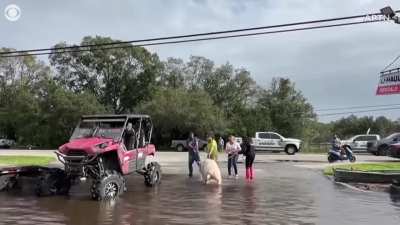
40 103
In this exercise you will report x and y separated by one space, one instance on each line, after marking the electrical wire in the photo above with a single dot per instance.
361 111
198 34
348 108
356 107
390 64
79 48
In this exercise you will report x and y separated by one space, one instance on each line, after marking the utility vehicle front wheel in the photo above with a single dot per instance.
153 174
108 187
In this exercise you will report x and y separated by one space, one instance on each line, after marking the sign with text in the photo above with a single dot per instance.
389 82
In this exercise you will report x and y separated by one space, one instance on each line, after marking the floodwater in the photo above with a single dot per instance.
281 194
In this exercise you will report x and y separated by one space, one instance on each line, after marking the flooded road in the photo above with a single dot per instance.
282 193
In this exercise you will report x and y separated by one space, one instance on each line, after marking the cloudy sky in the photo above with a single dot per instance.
335 67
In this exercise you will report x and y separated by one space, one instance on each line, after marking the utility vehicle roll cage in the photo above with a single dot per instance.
120 117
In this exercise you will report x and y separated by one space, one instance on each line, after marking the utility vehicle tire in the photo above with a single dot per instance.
7 182
290 149
180 148
153 175
52 182
109 187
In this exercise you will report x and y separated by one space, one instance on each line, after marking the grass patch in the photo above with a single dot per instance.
26 160
367 167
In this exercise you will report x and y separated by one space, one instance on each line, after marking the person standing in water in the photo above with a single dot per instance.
193 152
232 148
248 151
212 148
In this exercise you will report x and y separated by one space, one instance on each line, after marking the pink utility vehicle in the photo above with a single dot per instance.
103 148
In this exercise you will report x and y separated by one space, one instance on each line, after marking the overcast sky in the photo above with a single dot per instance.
334 67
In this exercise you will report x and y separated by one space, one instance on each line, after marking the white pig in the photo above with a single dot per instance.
209 170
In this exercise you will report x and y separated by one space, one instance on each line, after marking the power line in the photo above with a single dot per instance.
356 107
351 107
198 34
361 111
79 48
390 64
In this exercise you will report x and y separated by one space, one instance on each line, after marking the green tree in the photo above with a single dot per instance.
23 70
47 116
19 77
247 121
197 70
230 89
173 73
60 112
179 111
288 110
120 78
35 110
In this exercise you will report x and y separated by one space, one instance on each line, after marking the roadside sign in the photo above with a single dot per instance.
389 82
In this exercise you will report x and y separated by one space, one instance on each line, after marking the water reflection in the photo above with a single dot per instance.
281 194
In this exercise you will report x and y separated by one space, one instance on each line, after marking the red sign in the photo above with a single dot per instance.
389 82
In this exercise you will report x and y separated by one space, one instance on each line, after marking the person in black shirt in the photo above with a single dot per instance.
248 151
193 150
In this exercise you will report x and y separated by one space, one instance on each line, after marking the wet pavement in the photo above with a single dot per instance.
282 193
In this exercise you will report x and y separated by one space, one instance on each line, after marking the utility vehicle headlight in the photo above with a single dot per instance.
103 145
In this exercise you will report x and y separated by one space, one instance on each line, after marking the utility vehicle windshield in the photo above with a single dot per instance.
103 129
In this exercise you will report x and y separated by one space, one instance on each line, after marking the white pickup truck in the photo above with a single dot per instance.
6 143
271 141
359 142
181 145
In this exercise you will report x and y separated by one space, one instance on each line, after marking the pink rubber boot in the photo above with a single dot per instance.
247 173
251 173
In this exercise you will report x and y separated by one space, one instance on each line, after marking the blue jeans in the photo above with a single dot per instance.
193 157
232 160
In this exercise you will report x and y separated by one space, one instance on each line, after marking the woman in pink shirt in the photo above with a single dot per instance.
232 148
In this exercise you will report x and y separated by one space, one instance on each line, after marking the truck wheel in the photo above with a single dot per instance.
108 187
153 174
180 148
290 149
382 150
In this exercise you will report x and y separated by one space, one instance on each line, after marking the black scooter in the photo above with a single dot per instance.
345 153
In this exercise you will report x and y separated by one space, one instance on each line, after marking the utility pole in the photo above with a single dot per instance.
391 14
